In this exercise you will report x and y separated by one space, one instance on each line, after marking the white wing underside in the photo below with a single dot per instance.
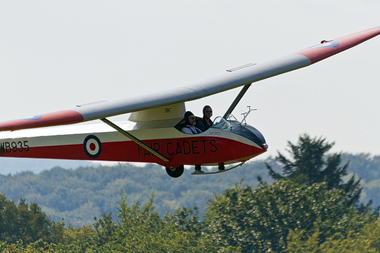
169 105
226 81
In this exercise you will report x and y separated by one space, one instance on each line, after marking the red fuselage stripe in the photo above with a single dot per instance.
179 151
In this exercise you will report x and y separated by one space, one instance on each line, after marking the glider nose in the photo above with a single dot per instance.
264 146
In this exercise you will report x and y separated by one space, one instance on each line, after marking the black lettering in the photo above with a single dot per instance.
204 145
20 148
167 148
138 149
186 148
194 147
211 143
7 147
14 146
178 150
156 146
146 153
26 145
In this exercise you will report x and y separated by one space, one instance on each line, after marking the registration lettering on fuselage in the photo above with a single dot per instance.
14 146
181 148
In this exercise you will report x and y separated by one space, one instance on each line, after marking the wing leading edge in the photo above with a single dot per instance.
226 81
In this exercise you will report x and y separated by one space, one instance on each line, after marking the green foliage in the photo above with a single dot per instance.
363 165
260 220
283 217
310 209
365 240
79 195
140 229
27 223
185 219
310 164
366 167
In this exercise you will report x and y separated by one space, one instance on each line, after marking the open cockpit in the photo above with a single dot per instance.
231 124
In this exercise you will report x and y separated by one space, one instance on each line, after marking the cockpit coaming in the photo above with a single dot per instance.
241 129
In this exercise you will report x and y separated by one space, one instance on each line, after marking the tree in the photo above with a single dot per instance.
260 220
310 164
140 229
365 240
26 223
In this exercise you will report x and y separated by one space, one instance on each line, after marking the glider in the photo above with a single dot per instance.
152 133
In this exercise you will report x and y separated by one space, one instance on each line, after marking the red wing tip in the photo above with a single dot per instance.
328 48
45 120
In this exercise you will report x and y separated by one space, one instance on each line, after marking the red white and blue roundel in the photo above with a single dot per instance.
92 146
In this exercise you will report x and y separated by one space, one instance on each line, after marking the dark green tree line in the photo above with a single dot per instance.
309 208
260 220
282 217
26 222
77 195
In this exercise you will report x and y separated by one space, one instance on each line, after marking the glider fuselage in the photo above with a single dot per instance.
212 147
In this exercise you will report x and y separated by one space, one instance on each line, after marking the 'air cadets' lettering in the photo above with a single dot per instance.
19 146
181 148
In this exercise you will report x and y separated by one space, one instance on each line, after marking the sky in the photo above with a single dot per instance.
57 54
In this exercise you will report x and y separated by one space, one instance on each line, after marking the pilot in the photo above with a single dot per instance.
206 122
189 127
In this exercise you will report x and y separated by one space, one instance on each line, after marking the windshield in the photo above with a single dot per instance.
244 130
221 123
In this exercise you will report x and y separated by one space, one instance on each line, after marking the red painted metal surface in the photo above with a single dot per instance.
49 119
191 151
329 48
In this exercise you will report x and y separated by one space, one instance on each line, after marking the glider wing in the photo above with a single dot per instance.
230 79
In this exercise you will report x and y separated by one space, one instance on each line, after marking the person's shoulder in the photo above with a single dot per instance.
201 124
186 130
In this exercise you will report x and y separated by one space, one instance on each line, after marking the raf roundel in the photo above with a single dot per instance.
92 146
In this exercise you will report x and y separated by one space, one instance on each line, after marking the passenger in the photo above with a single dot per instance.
189 127
206 122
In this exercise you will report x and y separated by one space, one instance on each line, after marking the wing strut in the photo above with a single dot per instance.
134 139
236 101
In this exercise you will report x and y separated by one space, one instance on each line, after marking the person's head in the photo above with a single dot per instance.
190 118
207 112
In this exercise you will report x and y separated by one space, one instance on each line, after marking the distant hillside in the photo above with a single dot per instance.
77 195
367 168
